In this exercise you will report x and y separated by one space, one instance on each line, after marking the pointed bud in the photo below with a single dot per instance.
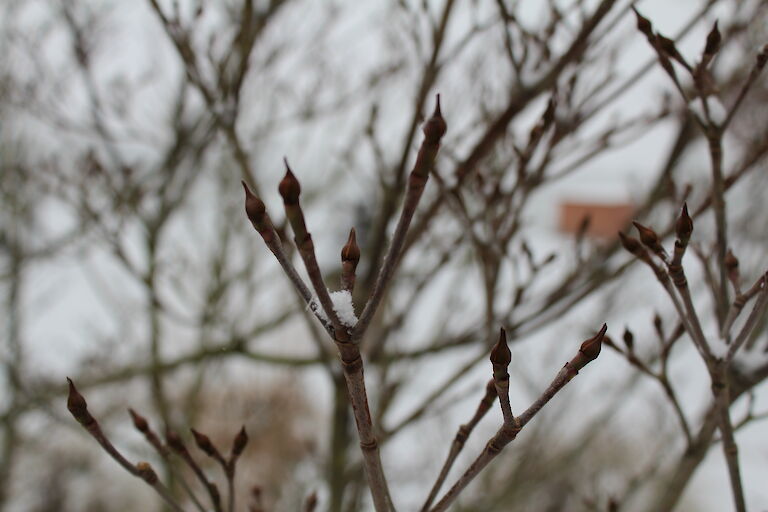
648 237
78 406
500 354
643 24
351 252
289 187
684 225
254 207
146 473
731 262
549 113
713 41
591 347
204 443
311 503
667 45
762 58
629 339
658 326
139 421
238 445
631 244
435 127
174 442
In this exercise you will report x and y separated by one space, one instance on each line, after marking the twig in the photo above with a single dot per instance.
434 129
462 435
588 351
79 409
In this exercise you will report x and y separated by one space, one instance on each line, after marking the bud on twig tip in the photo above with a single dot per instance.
684 225
241 440
77 405
643 24
435 127
500 354
289 187
254 207
203 442
591 348
139 421
351 252
713 41
631 244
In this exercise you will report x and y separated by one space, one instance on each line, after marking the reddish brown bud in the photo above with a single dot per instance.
684 225
311 502
435 127
254 207
629 339
500 354
657 325
238 445
78 406
713 41
762 58
731 262
146 473
204 443
667 45
139 421
289 187
591 348
631 244
643 24
648 237
351 252
173 439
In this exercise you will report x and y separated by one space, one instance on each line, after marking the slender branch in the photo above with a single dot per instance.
79 409
460 440
434 129
588 351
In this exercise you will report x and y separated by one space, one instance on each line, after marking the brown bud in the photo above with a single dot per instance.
173 439
351 252
146 473
254 207
139 421
238 445
731 262
648 237
78 406
684 225
311 502
762 58
591 348
629 339
713 41
289 187
204 443
549 113
643 24
500 354
667 45
631 244
657 325
435 127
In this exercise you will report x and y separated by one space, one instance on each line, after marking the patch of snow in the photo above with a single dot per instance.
345 310
342 305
